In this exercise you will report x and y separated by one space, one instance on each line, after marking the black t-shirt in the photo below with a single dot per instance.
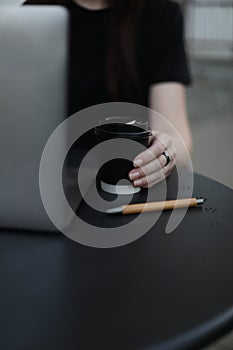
160 51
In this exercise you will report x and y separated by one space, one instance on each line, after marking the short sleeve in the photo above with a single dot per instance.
172 62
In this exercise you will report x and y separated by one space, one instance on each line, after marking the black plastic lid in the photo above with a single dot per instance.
120 127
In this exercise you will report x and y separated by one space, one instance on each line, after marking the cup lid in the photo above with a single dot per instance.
123 127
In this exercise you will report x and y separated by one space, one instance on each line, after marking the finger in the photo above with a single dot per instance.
172 151
155 177
153 166
156 149
146 180
164 161
149 168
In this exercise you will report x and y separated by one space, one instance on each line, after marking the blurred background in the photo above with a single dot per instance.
209 39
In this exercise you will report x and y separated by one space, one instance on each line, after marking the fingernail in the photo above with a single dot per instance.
138 183
133 176
138 162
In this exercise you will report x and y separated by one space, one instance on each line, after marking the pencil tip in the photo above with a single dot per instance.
201 200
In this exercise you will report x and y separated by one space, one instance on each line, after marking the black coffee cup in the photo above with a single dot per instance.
118 169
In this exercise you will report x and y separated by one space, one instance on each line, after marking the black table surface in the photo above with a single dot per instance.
161 292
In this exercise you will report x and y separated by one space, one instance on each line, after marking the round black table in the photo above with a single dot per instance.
161 292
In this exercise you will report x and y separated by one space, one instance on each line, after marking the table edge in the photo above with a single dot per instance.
199 336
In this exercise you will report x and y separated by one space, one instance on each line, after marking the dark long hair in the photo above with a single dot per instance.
121 70
121 63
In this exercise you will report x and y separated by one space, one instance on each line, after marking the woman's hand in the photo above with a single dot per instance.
152 166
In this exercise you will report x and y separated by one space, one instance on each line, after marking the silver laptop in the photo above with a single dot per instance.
33 77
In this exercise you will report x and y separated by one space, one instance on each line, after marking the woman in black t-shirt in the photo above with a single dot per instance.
132 51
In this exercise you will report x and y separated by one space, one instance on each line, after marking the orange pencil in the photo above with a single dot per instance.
156 206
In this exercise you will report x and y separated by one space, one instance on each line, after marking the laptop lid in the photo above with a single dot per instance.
33 77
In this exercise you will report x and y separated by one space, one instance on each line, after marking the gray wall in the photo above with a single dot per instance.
11 2
210 107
